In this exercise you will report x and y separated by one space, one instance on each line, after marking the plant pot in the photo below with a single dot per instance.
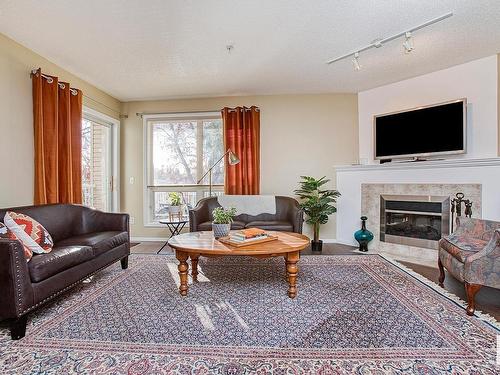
317 245
174 209
221 230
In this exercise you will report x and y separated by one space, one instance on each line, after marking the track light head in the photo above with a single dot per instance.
355 62
408 43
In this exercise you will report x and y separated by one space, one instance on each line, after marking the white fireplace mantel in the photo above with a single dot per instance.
452 171
430 164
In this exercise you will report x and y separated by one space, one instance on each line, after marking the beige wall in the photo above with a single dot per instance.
16 117
498 99
300 135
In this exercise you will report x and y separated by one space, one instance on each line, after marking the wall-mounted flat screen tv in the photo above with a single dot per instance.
437 129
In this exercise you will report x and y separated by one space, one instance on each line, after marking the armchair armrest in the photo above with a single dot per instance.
16 294
296 217
198 215
483 267
98 221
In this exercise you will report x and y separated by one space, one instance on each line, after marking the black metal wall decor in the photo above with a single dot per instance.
456 207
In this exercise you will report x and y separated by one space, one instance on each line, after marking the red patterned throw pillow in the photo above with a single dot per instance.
29 232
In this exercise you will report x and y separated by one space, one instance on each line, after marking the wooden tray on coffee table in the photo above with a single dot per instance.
228 241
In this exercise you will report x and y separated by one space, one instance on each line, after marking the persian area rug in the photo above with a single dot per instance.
353 314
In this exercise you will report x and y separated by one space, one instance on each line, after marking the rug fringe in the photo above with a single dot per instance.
479 314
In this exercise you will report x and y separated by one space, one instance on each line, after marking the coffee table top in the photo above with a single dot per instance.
204 242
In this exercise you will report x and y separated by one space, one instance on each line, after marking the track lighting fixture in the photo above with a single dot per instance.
408 43
378 43
355 61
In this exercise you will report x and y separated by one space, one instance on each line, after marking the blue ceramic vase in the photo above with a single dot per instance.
363 236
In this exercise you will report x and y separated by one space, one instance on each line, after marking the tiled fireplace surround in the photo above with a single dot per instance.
370 206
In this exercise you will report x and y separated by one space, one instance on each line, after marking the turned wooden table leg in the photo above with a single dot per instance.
292 270
194 267
183 271
286 269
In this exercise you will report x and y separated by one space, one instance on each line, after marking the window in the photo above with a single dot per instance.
99 144
179 150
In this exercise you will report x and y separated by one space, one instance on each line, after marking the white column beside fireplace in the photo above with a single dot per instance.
478 178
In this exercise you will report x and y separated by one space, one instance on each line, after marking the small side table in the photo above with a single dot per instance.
175 227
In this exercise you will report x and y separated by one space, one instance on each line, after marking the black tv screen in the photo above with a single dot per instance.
436 129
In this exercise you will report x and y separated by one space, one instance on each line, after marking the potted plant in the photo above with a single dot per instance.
317 204
221 225
175 204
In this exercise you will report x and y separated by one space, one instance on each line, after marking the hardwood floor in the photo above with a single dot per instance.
487 299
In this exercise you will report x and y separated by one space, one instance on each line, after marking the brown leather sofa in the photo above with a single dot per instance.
289 216
85 242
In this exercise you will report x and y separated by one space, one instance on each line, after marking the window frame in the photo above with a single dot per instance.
114 124
150 189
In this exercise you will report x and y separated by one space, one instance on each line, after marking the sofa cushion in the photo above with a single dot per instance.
207 225
99 241
282 226
42 266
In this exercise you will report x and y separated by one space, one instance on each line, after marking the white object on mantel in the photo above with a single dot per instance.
249 204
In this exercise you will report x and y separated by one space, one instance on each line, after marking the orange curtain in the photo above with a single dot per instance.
242 136
57 115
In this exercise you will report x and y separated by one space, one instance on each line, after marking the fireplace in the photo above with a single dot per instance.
414 220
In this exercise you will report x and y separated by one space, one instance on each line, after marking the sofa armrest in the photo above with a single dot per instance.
98 221
16 292
296 217
198 215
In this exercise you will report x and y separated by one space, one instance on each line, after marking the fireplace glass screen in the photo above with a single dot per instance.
414 220
427 227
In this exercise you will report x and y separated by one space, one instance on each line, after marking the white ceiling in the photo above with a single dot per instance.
154 49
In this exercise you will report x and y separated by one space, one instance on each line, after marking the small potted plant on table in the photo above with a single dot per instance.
221 225
317 205
175 205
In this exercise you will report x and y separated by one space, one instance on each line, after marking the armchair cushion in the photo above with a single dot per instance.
100 242
59 259
271 225
207 225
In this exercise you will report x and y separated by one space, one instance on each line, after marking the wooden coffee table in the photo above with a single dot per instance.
195 244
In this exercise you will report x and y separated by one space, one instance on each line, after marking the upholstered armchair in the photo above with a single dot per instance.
472 255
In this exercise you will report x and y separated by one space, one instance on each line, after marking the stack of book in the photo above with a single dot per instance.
247 235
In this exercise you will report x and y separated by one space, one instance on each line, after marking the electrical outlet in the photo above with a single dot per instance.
131 180
132 220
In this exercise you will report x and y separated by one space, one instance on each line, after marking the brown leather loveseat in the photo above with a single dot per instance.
289 217
85 241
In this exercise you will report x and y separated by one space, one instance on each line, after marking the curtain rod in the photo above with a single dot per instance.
74 92
140 114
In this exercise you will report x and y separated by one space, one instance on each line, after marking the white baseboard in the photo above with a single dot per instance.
328 240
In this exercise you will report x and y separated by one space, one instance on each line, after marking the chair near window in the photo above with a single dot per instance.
472 255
